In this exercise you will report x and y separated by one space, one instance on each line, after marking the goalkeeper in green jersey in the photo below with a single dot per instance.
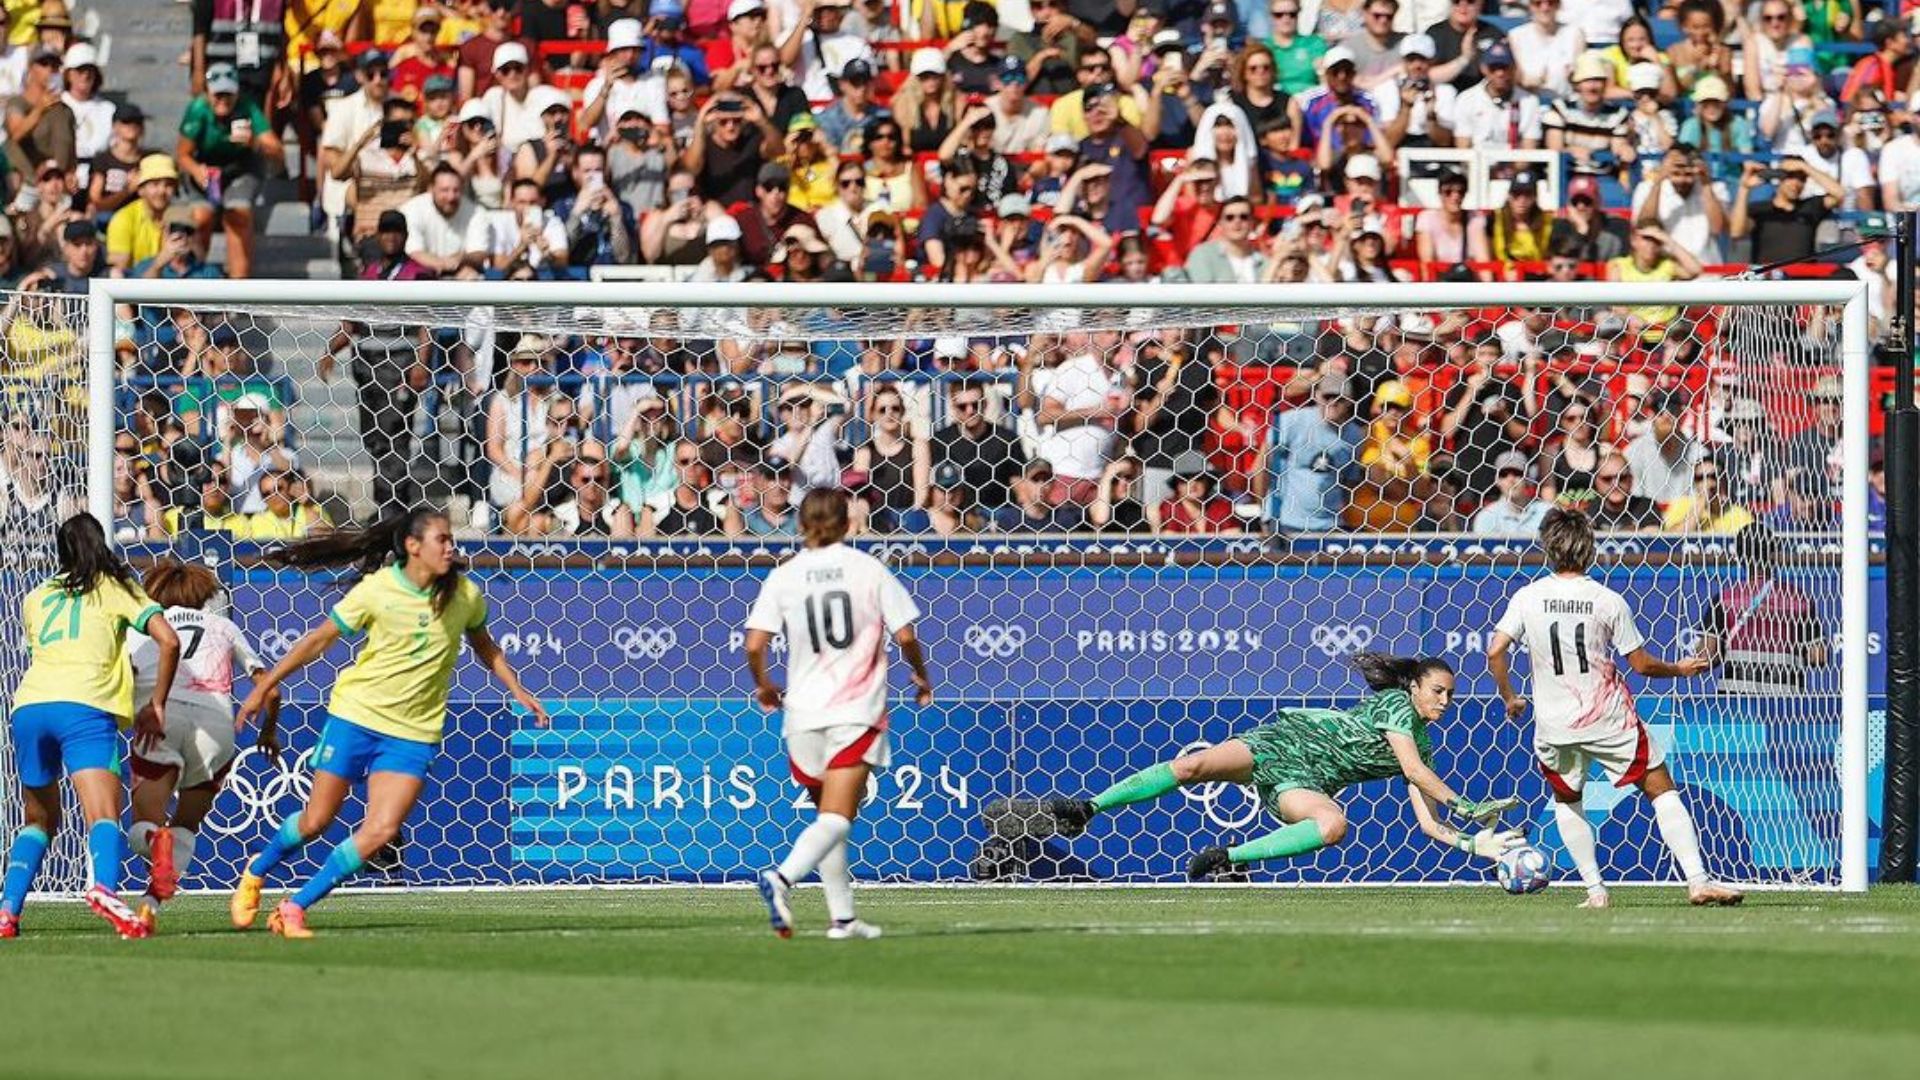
1302 758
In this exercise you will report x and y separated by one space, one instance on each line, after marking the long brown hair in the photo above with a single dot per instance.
368 550
85 556
172 583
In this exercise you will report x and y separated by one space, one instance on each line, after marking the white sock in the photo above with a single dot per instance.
183 845
1576 835
1676 828
836 880
819 838
140 838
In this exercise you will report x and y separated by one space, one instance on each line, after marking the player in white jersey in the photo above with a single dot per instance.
193 757
1583 711
837 607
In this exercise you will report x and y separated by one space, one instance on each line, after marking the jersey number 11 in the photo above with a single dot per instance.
1579 648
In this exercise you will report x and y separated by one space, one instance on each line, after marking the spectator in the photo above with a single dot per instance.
110 177
10 262
768 217
676 234
723 252
1376 47
1748 468
137 231
40 126
524 240
1574 452
1310 460
1653 256
1311 114
802 255
1395 457
252 451
958 185
1493 113
77 263
249 34
1663 458
439 221
1765 45
1079 410
1636 45
476 153
986 453
842 222
548 159
950 510
1417 111
1113 141
1519 230
1762 632
384 174
729 145
1194 504
1460 41
1174 400
811 417
321 85
1843 156
512 103
973 56
1447 234
1483 421
1020 126
1806 509
1815 453
520 437
1513 509
926 105
747 31
1617 508
692 508
1068 114
349 119
1892 47
896 461
1713 127
48 207
1595 130
583 504
1785 113
223 373
1546 49
287 512
14 55
1783 225
1118 508
1653 127
772 513
780 100
177 257
92 113
1051 49
477 71
1224 137
1707 509
1586 233
818 47
1189 208
847 123
621 85
1073 252
138 513
1702 51
421 56
1677 197
599 226
644 448
1038 503
666 44
972 140
1296 52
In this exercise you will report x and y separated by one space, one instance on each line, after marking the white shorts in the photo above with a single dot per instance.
1625 756
198 742
810 754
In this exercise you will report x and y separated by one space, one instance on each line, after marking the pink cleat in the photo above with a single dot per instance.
9 925
102 901
289 920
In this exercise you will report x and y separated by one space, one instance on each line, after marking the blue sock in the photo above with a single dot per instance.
108 847
284 843
341 865
23 865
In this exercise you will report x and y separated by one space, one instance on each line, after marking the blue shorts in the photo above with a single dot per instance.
350 752
51 734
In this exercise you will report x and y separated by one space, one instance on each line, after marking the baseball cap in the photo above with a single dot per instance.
374 58
79 55
1393 392
1220 11
1496 55
1591 65
437 84
949 348
542 99
1418 45
857 71
1524 181
427 14
1825 117
1363 167
742 8
1332 383
1062 143
928 61
329 41
129 113
509 52
1583 185
1011 70
473 109
223 79
1644 76
667 11
948 475
392 221
1188 464
178 216
1711 88
1746 411
1099 91
1800 56
1828 389
978 13
774 174
802 121
1513 461
1169 41
1014 204
722 230
75 231
250 402
534 345
1339 54
625 34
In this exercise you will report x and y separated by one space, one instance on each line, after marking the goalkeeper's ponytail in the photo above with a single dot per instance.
1387 672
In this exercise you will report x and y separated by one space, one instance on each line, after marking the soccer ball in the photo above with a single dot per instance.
1523 870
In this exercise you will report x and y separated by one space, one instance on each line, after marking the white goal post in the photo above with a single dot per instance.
655 773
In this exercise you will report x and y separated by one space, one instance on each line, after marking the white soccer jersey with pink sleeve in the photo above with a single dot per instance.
838 607
1574 627
213 653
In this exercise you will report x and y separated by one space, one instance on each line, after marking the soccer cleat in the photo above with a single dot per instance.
244 906
163 880
1713 894
852 930
1208 864
102 901
774 890
289 921
1070 816
150 913
1597 900
9 925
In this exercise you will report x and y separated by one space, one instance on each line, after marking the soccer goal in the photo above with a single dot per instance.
1137 552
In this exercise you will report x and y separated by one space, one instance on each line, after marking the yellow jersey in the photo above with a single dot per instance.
135 232
399 684
267 525
79 645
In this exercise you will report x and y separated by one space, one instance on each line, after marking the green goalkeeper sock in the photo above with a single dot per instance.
1283 843
1146 784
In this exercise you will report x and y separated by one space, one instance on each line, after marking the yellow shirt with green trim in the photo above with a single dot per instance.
79 645
399 684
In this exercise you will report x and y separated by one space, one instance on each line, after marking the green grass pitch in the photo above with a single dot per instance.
981 983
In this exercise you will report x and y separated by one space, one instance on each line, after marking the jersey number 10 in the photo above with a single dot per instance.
831 614
1579 648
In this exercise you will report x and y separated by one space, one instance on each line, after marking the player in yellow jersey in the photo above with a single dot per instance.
77 694
388 710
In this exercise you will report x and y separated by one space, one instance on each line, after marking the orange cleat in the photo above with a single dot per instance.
122 918
289 920
244 905
163 881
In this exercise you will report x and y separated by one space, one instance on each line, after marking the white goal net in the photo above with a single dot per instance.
1138 519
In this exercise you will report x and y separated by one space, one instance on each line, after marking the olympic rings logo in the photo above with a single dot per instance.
1689 639
649 642
250 797
275 643
995 642
1228 806
1340 639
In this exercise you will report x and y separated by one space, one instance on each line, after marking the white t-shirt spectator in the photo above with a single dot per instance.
844 229
1497 125
348 118
1082 382
1851 166
518 124
430 232
1900 167
497 232
1544 60
647 93
821 57
92 128
1685 220
1386 99
1599 20
1656 478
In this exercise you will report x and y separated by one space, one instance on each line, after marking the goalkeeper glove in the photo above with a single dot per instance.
1490 844
1481 812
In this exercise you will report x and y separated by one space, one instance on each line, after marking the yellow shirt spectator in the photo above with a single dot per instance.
136 232
393 20
1727 522
1069 113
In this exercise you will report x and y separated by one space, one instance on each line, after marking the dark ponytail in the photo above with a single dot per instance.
86 557
369 549
1386 672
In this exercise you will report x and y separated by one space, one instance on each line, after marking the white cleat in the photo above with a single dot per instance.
1597 900
1713 894
851 930
774 890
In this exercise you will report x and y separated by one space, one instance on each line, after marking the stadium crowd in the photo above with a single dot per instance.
1069 142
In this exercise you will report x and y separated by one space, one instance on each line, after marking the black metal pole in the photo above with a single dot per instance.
1902 804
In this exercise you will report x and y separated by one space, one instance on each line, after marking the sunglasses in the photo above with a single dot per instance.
1330 399
1706 476
590 478
766 67
1236 217
890 410
852 181
1504 473
1609 478
507 69
1284 13
1780 17
965 406
692 460
1581 200
884 136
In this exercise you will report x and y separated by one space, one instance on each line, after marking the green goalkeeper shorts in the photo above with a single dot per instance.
1281 764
